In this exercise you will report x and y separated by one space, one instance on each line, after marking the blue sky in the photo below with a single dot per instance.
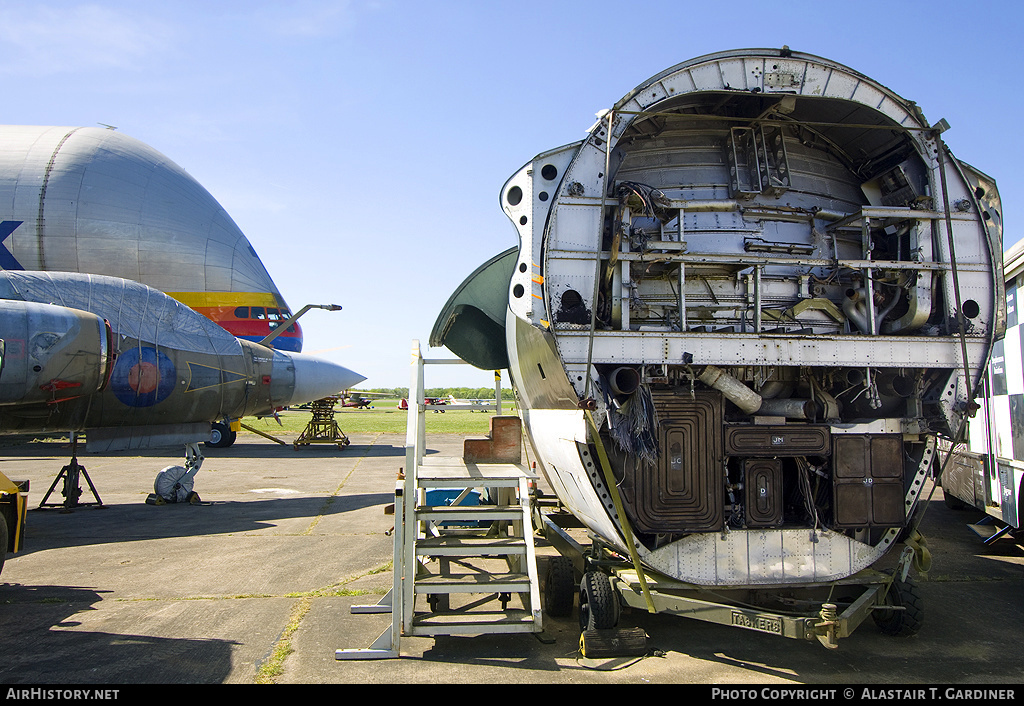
361 144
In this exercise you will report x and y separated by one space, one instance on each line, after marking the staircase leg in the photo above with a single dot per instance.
382 648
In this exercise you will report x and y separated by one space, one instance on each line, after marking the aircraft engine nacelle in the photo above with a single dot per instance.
51 353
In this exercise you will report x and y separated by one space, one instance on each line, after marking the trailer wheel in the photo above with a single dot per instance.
599 609
900 623
559 587
953 502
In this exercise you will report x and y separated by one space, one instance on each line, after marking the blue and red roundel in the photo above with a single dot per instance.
143 377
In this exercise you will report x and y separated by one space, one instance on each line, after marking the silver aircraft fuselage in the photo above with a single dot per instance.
772 286
93 200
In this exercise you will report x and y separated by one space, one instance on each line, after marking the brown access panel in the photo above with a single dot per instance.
684 491
763 492
777 440
867 488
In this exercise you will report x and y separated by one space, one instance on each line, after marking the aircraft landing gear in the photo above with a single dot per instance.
221 436
174 484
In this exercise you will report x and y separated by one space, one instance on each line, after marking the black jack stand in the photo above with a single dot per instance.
71 474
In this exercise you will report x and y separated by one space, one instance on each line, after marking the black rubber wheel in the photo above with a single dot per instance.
900 623
599 608
221 436
953 502
4 539
559 587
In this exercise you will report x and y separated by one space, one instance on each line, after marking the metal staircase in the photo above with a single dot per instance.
464 558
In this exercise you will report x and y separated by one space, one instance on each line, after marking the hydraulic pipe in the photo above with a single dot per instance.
624 380
789 408
734 390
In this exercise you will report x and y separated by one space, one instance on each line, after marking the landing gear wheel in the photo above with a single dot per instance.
221 436
599 609
559 587
900 623
174 484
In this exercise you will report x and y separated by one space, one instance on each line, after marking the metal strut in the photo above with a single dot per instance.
597 257
613 490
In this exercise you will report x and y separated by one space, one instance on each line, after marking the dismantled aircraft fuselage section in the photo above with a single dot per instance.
768 284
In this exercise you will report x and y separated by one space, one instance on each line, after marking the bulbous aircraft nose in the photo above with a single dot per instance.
313 378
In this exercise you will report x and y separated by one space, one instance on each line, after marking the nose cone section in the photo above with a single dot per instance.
314 378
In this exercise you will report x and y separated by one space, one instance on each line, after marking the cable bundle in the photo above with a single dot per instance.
634 426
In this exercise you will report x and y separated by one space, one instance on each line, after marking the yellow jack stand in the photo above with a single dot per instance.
322 429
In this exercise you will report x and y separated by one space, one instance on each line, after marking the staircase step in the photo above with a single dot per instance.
463 513
447 472
455 481
471 546
472 623
984 531
473 583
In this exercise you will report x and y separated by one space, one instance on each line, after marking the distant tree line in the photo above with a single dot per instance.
461 393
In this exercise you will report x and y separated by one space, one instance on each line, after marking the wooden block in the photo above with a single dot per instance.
503 445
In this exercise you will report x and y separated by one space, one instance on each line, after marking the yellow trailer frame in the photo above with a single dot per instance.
13 512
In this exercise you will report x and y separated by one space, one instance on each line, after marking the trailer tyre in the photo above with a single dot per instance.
599 609
901 623
559 587
953 502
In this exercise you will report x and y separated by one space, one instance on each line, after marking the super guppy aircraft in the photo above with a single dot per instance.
91 200
115 267
94 201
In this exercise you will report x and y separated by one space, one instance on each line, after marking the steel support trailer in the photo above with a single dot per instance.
823 611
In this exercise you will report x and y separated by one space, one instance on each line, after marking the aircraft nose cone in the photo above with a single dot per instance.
314 378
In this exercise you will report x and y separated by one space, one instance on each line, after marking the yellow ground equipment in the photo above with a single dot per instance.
322 428
13 506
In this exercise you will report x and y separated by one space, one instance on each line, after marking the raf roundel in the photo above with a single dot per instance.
143 377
